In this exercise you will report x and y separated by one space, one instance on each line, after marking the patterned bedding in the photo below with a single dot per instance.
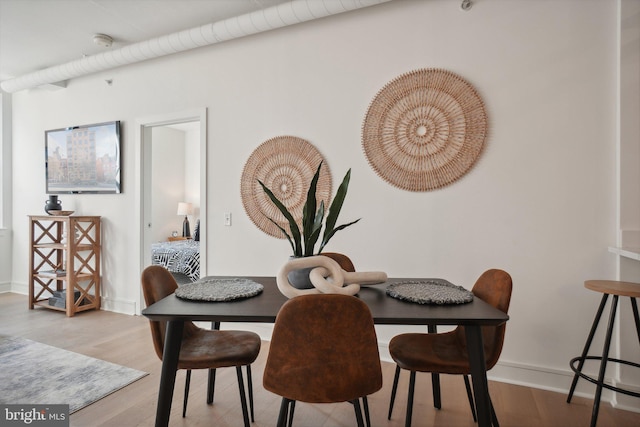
181 256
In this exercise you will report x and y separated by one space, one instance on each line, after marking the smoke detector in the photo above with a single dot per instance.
103 40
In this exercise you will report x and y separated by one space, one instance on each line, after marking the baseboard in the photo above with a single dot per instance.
19 288
119 306
108 304
627 403
556 380
5 287
559 380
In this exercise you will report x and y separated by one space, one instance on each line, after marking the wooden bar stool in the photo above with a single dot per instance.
617 289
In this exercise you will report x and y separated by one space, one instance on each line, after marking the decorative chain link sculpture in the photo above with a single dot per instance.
327 277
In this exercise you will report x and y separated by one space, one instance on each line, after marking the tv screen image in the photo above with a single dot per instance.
83 159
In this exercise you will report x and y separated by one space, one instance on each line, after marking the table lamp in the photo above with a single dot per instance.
185 209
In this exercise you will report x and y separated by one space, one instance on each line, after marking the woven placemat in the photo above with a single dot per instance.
217 289
424 130
286 165
429 291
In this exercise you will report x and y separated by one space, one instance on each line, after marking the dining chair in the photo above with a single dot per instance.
347 265
446 353
323 349
344 261
202 348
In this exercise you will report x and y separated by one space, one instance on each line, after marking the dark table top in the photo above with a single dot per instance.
386 310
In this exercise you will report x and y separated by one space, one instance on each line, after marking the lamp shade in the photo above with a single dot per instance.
185 208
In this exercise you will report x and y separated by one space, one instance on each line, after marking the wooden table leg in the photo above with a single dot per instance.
170 355
478 374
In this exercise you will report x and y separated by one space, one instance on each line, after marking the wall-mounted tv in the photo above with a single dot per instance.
83 159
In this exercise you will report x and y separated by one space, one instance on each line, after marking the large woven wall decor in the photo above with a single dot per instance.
424 130
286 165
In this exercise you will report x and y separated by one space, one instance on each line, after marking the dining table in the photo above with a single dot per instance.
264 307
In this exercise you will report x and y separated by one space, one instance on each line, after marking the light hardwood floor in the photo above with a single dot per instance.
126 340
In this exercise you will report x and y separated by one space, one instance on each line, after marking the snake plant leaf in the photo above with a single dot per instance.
309 209
311 239
295 231
336 206
312 220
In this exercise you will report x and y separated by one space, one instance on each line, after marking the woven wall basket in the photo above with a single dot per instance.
286 165
424 130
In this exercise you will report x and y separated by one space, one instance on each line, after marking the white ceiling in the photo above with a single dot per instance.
37 34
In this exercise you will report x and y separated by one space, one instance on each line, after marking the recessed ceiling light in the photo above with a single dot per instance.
103 40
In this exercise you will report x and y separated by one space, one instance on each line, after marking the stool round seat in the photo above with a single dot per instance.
614 287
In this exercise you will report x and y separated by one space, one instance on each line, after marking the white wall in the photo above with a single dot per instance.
540 202
5 192
168 175
629 184
192 173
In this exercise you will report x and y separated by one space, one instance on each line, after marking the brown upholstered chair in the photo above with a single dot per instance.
446 353
323 349
202 348
347 265
343 260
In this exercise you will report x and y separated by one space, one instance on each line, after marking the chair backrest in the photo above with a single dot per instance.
343 260
494 287
323 349
157 283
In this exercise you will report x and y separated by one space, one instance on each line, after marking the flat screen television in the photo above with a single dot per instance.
83 159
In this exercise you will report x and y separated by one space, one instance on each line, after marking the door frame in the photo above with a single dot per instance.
143 185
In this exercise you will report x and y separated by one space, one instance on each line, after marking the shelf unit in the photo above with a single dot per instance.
70 244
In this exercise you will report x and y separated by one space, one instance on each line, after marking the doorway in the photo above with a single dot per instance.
158 218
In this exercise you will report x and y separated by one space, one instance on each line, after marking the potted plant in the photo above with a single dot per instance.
303 241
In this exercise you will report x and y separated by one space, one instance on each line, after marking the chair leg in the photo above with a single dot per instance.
250 386
435 386
283 415
292 405
412 386
396 376
187 383
494 417
470 397
365 406
243 397
358 410
211 384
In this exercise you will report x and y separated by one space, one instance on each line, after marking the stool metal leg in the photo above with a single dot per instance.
596 320
634 307
603 364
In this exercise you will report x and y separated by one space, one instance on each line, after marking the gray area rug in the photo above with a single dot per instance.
35 373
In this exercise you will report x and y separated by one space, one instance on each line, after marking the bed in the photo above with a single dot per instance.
180 257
